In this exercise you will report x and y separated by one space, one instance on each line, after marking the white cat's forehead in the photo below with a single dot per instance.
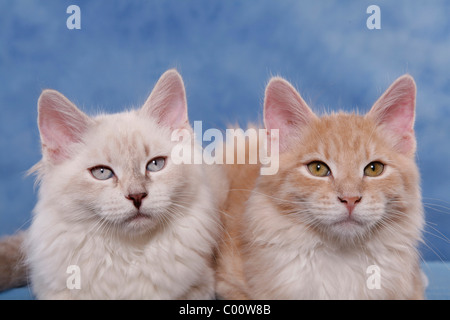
129 135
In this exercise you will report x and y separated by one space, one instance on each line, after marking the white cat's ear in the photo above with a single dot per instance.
395 111
167 102
284 109
60 123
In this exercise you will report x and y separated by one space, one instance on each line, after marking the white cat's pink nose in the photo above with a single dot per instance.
137 199
350 202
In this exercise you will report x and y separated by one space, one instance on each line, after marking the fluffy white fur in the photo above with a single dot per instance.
82 221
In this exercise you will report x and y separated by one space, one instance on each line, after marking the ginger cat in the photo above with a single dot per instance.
343 216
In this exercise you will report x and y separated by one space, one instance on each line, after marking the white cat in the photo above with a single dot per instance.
116 218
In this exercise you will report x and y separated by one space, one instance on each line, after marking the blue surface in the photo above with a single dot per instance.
226 52
17 294
438 274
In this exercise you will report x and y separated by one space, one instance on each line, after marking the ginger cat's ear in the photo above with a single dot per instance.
395 112
61 124
167 102
284 109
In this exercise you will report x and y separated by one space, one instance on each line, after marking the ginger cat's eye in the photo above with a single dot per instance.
156 164
319 169
102 173
374 169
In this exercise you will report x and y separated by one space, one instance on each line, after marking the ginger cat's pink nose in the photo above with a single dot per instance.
350 202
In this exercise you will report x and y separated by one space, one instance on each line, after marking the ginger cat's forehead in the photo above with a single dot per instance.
340 134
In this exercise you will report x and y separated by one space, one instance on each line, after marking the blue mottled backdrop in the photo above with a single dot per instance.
226 51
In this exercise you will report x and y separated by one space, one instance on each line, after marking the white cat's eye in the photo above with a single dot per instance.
156 164
319 169
102 173
374 169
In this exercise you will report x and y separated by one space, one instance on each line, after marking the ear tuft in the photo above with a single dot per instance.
284 109
60 123
395 111
167 102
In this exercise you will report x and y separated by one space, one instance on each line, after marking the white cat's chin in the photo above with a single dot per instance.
139 223
132 223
